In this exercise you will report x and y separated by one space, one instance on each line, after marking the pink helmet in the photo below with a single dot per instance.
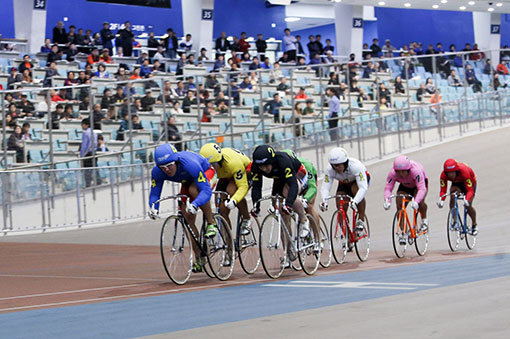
402 163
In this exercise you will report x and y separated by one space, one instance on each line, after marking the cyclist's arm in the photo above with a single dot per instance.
470 191
390 184
361 180
204 189
444 185
292 183
256 191
156 187
241 181
420 186
326 185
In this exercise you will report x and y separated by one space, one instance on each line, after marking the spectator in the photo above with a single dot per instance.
220 98
222 107
369 70
427 61
13 112
219 63
176 108
313 48
244 45
173 136
186 44
388 49
68 113
255 64
26 107
362 97
296 118
208 112
16 143
266 64
126 38
276 73
59 33
142 57
421 92
179 91
152 44
329 47
170 43
10 122
436 100
502 69
454 80
203 55
121 74
46 48
180 65
166 95
234 46
383 104
148 101
318 42
71 36
234 91
85 104
261 46
72 51
354 86
333 79
13 78
273 107
136 122
93 57
476 56
308 110
106 37
159 54
472 80
384 92
246 84
54 55
376 50
189 100
119 97
101 146
101 72
25 131
399 85
107 100
123 127
26 64
105 57
299 46
88 71
289 44
56 115
496 83
222 44
190 84
334 109
80 40
191 60
135 75
429 86
145 69
98 116
301 94
282 86
88 144
487 69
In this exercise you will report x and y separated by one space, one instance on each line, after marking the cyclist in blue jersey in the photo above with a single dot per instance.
198 179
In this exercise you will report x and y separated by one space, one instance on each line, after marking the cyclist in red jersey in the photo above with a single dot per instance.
463 181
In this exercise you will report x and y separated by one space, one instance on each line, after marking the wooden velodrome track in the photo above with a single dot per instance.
95 266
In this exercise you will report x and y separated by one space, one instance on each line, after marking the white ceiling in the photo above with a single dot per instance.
450 5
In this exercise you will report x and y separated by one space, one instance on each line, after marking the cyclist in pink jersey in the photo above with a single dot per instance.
413 180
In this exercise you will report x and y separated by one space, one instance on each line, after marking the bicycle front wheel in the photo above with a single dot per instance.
470 239
326 253
362 243
422 237
176 250
453 230
220 250
308 248
248 248
338 235
398 235
273 250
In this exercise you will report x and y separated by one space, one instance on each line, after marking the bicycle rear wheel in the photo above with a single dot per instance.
176 250
248 248
203 243
398 235
273 251
309 250
470 239
362 242
338 236
220 250
326 253
453 230
421 243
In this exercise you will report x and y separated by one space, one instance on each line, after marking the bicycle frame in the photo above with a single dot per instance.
456 211
345 199
406 198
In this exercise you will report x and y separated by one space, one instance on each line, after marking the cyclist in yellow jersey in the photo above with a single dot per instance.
232 168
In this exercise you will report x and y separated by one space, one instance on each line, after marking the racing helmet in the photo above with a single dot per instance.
211 152
402 163
451 165
264 155
164 154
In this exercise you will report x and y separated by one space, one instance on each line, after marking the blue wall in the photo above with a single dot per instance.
505 29
370 31
326 32
84 14
402 26
250 16
7 19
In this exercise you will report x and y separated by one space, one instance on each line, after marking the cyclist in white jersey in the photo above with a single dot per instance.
353 180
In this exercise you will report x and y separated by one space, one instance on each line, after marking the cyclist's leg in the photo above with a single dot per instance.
313 212
223 186
454 189
206 208
298 205
190 219
362 204
471 211
422 207
343 190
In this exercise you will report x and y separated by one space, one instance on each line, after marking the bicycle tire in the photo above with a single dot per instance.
220 250
176 250
248 247
203 244
338 233
362 243
470 239
273 251
397 234
421 243
453 230
326 253
308 248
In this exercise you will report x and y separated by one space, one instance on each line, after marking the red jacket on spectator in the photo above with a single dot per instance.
56 97
502 69
244 46
477 56
106 59
91 59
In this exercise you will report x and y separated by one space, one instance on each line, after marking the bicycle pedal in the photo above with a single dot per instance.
410 241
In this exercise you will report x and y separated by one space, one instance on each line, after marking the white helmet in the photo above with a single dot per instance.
337 156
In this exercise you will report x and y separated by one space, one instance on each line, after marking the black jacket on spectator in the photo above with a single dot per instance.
15 143
126 41
53 57
261 46
152 43
174 41
218 46
313 48
59 36
106 37
147 103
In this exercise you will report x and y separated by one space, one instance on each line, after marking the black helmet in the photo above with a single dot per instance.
263 155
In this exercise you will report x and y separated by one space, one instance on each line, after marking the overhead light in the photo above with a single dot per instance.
336 1
462 8
381 3
407 4
273 25
292 19
471 3
435 6
490 9
444 1
499 4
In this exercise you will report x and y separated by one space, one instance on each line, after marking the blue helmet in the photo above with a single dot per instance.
164 154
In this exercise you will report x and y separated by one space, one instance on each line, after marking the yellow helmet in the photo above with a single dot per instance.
211 152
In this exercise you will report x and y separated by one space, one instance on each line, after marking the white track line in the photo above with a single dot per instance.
73 277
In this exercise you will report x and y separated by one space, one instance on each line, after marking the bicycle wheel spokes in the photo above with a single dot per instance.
453 229
421 243
176 251
338 236
308 248
398 235
248 248
470 239
326 253
362 243
220 250
272 248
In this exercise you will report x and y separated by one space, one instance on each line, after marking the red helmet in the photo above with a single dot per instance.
451 165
